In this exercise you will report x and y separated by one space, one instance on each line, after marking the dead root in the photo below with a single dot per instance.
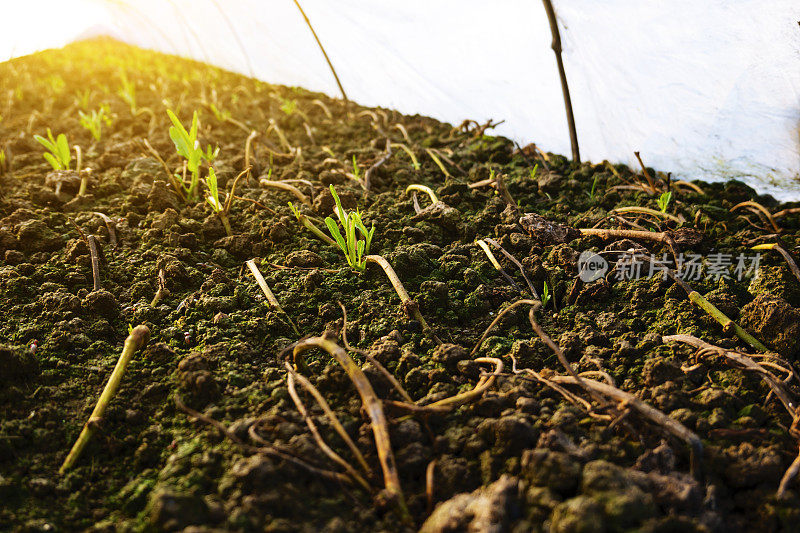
374 409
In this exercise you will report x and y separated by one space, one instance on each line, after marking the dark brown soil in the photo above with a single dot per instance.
519 457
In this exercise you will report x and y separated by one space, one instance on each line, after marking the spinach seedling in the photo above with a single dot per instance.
354 247
545 295
94 121
128 93
187 145
356 169
664 200
59 156
212 198
593 191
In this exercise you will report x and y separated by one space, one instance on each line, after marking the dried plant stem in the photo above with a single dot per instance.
728 325
373 407
404 131
788 477
694 187
247 147
560 354
388 375
286 187
265 450
337 426
162 289
786 255
744 361
322 48
281 137
110 226
423 188
500 185
226 207
785 212
91 240
647 211
268 292
647 176
647 411
758 207
514 260
438 162
375 166
176 185
321 105
136 340
495 263
410 306
662 237
429 478
335 457
556 46
407 150
497 319
465 397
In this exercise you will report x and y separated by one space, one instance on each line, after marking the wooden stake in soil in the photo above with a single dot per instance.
556 46
136 340
327 59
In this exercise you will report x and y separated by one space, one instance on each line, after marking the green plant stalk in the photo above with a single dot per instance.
727 324
305 221
136 340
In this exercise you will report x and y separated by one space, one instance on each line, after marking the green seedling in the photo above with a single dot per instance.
545 295
305 221
593 191
356 169
288 106
59 156
95 120
187 146
354 247
212 198
82 99
3 160
128 93
664 200
137 339
220 115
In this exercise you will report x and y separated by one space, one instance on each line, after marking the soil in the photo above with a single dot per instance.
521 456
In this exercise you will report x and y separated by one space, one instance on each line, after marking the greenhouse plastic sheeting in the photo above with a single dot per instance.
707 90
